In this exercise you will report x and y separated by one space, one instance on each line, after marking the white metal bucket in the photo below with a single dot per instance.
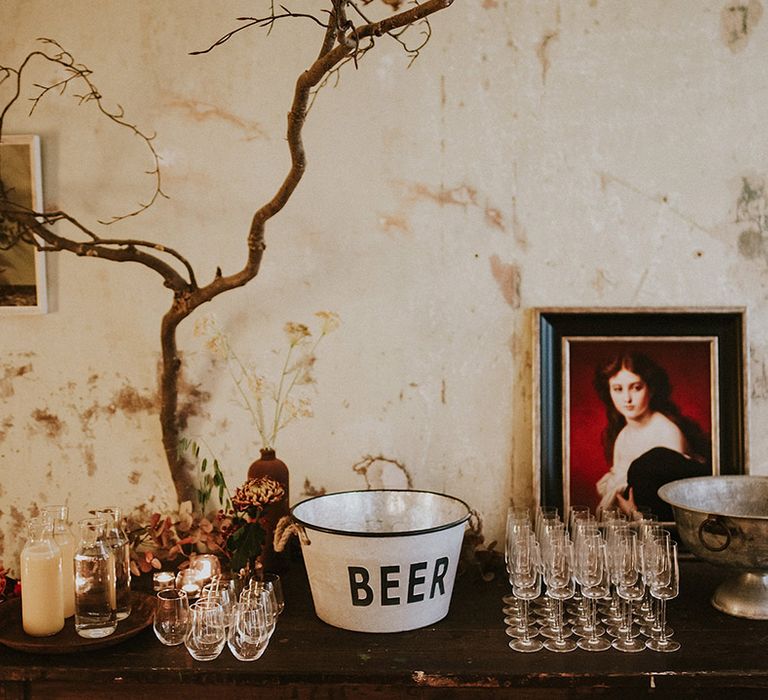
381 560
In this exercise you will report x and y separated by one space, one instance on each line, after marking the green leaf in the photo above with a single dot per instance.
245 544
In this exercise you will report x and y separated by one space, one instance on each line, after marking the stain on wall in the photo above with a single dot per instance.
309 490
545 44
130 401
5 426
205 111
52 425
464 196
507 276
18 529
390 223
191 400
752 218
738 21
89 459
10 373
759 373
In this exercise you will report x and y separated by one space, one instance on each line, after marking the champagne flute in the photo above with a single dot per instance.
613 614
591 573
517 526
558 575
653 543
629 585
526 585
665 585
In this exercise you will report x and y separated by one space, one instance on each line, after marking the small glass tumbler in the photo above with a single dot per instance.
248 634
273 581
172 616
207 632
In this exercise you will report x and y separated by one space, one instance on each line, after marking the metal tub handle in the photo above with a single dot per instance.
715 526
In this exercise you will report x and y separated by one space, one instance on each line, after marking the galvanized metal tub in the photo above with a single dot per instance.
381 560
724 520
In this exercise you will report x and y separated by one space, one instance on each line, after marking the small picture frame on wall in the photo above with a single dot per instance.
629 399
22 266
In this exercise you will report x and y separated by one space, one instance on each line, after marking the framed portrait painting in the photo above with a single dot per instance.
629 399
22 266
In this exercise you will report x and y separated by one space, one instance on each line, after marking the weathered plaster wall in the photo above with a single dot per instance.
583 153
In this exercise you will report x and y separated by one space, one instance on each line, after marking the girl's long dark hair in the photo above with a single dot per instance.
660 391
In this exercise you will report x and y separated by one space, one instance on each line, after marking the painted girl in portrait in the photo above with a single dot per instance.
647 441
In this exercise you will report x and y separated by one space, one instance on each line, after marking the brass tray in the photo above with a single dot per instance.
68 641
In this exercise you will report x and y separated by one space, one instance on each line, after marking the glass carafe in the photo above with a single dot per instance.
42 606
95 598
63 536
118 541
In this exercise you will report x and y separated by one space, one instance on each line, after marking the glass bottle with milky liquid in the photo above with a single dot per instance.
63 536
95 598
118 541
42 605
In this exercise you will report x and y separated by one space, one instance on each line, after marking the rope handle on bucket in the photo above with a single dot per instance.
285 529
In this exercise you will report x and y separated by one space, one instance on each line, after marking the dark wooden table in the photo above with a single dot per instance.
464 655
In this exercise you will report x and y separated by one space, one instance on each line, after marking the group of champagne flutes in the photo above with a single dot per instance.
588 582
243 619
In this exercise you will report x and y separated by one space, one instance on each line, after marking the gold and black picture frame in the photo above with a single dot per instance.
693 365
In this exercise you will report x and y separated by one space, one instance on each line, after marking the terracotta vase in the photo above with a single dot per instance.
269 465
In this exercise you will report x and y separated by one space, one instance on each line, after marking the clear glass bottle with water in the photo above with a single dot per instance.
95 599
63 536
118 541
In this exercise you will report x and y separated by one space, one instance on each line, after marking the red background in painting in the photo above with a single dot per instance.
688 365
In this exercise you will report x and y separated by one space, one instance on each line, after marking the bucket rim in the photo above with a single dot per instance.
665 490
394 533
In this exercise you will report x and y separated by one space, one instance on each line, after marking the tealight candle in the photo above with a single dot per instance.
188 582
191 589
162 580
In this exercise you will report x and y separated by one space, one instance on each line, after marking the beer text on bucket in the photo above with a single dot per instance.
363 594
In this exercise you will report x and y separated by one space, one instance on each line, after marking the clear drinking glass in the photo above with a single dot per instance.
525 565
222 595
273 581
664 585
518 525
171 622
207 632
558 575
629 586
591 573
258 593
248 634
